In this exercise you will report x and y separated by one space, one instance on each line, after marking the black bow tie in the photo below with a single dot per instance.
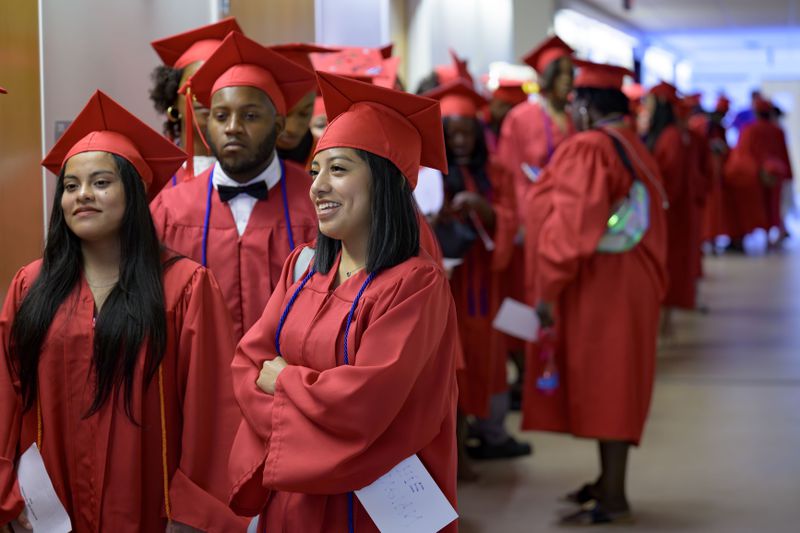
257 190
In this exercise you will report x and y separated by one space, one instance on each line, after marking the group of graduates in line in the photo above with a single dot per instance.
250 316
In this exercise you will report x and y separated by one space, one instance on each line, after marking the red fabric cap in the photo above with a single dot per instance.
388 76
361 63
319 107
665 91
457 98
455 70
242 62
723 105
762 105
194 45
405 129
548 51
634 91
510 91
599 76
693 99
683 108
386 50
105 126
300 52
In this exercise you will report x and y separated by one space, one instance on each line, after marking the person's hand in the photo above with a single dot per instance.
471 201
269 374
177 527
22 520
546 315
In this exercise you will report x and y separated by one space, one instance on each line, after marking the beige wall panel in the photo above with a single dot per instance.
275 21
21 219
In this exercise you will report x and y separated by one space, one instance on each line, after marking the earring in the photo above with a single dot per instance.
173 115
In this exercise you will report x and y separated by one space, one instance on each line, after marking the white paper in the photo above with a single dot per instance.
42 506
517 319
429 191
449 263
532 173
407 500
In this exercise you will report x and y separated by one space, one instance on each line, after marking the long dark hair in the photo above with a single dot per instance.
394 232
604 101
663 116
454 180
132 314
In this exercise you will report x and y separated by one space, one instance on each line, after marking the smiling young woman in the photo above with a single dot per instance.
351 368
148 437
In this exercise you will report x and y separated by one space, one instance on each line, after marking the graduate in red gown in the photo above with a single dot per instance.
709 126
766 143
478 196
604 304
351 368
672 150
115 353
182 55
246 213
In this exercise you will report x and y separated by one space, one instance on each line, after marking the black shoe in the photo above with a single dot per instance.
516 399
593 514
583 495
507 450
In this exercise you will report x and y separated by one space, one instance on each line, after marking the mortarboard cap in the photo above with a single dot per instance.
105 126
762 105
723 104
242 62
510 91
405 129
194 45
455 70
300 52
457 98
665 91
548 51
599 76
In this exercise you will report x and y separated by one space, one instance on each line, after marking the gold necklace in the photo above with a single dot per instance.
350 273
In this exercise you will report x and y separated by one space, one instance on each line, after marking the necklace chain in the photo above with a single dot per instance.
351 272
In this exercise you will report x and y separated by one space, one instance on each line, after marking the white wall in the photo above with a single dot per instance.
352 22
480 31
105 44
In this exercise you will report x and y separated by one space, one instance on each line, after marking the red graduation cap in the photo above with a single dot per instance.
386 50
457 69
405 129
242 62
300 52
194 45
105 126
510 91
548 51
693 99
388 75
360 63
600 76
457 98
723 104
665 91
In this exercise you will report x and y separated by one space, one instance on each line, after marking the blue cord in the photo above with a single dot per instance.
285 314
207 217
286 206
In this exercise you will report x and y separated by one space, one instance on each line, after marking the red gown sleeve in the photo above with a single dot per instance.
670 154
159 214
11 503
505 211
578 218
200 486
340 429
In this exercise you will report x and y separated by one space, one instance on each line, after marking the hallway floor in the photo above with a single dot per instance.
721 451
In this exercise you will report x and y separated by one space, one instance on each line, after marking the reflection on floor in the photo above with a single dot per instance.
721 452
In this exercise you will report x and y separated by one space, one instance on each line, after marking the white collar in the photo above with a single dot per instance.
271 175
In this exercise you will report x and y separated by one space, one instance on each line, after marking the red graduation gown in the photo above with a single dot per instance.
247 267
524 139
476 290
607 304
106 470
675 157
329 428
765 141
714 219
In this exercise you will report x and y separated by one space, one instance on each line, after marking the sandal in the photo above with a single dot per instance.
593 514
583 495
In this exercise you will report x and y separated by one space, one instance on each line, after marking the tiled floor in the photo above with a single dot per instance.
721 452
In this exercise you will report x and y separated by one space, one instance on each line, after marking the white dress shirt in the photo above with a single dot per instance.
242 205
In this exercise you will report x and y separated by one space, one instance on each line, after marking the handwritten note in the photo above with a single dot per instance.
42 506
407 499
517 319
